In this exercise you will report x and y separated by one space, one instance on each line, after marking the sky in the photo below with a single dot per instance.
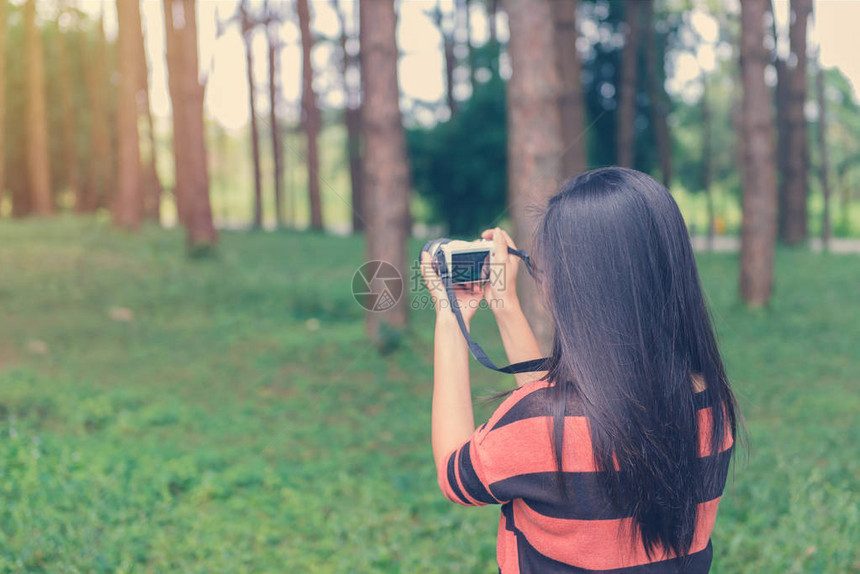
222 57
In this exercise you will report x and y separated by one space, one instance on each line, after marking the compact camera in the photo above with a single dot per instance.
461 261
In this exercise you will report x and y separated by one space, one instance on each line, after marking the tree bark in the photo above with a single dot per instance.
152 188
176 71
386 166
758 232
659 103
274 123
464 20
192 178
99 163
311 115
492 9
352 119
71 171
782 130
571 106
626 115
128 204
450 57
2 98
247 30
826 225
534 135
38 163
797 152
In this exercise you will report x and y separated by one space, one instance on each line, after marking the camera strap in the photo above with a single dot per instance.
476 350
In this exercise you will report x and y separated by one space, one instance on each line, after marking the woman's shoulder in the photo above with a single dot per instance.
528 401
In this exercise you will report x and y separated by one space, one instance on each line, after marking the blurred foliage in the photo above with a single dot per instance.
460 165
228 415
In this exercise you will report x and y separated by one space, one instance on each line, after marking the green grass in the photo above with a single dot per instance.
239 422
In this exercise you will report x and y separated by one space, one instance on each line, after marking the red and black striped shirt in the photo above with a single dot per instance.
510 461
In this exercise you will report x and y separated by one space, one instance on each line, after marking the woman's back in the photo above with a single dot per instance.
608 464
511 460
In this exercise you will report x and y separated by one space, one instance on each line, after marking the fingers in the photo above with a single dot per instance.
431 280
508 240
500 247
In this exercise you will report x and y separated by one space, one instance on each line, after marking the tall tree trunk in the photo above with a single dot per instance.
311 116
626 115
824 173
386 167
128 204
274 123
192 178
780 101
465 22
759 174
448 52
152 188
247 31
659 102
99 164
69 125
2 98
782 130
707 162
176 66
492 7
352 119
534 134
38 164
797 153
571 106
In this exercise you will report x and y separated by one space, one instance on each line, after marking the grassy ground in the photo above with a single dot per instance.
226 415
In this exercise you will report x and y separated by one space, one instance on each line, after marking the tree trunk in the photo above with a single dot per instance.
247 30
311 115
151 183
274 123
352 119
782 129
826 226
659 103
2 98
38 164
69 125
707 162
492 9
534 135
176 71
571 106
192 178
99 164
128 205
797 152
626 115
450 57
464 19
386 166
759 175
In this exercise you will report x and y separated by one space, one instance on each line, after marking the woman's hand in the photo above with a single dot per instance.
501 290
468 296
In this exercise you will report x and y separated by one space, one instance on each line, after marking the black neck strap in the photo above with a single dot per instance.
474 347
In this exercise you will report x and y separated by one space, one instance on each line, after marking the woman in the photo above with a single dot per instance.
611 460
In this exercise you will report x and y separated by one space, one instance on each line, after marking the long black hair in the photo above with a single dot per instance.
631 331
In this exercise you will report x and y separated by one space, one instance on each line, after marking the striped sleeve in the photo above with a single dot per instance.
471 469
